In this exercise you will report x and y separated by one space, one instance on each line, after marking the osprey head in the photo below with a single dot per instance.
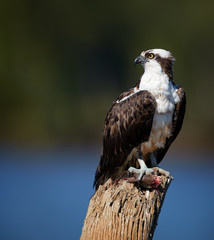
157 60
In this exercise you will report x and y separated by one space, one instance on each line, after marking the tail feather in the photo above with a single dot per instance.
96 178
99 176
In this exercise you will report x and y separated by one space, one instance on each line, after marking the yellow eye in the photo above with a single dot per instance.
151 55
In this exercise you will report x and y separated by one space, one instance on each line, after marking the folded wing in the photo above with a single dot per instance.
127 124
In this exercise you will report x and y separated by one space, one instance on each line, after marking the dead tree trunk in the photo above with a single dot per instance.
124 211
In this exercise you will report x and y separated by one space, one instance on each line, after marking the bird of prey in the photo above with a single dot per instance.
144 121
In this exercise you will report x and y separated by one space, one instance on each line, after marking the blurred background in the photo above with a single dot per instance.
62 64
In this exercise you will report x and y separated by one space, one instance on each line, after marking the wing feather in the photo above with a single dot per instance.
127 124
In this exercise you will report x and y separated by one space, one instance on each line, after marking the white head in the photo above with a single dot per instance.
157 60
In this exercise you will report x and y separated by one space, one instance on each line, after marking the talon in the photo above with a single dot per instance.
149 170
163 172
132 170
141 171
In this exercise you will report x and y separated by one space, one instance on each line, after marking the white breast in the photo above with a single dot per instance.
166 97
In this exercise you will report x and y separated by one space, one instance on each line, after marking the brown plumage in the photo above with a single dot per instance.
129 122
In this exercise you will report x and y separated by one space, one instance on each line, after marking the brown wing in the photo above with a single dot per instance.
127 124
177 122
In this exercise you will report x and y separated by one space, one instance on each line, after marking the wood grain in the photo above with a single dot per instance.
124 211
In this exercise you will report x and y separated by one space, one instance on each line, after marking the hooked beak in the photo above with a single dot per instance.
140 60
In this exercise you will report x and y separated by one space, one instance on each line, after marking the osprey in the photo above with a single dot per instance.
144 121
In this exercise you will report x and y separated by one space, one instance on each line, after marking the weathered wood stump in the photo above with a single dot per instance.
124 211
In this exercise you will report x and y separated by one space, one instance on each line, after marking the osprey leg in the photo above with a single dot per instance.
142 170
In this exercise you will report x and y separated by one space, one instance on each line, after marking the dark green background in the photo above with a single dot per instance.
62 63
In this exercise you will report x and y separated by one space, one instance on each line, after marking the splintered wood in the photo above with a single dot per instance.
124 211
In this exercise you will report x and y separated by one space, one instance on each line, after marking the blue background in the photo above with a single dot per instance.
46 201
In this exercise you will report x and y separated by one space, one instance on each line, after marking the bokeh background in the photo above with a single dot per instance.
62 64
